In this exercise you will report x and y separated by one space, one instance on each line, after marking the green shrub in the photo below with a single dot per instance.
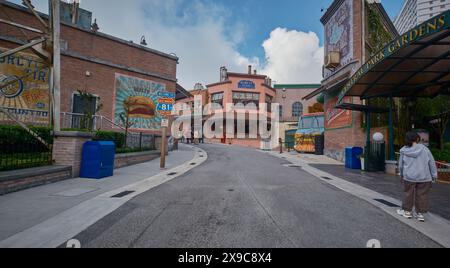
131 150
117 137
443 155
16 139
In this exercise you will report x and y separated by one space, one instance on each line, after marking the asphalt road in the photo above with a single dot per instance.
245 198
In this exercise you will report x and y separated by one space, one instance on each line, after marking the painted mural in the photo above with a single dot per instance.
337 118
27 98
140 98
339 34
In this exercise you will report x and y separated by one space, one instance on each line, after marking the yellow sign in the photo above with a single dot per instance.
28 96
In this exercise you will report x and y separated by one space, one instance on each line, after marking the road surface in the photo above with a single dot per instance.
246 198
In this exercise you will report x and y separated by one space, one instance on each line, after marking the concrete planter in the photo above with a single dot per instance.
123 160
391 167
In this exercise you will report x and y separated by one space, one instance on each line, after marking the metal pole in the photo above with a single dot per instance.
368 123
56 64
163 148
391 130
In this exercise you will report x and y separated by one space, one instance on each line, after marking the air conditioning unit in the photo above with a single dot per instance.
332 60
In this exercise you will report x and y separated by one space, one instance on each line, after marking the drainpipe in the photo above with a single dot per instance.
368 125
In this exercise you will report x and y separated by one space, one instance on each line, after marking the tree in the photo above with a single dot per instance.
125 118
434 112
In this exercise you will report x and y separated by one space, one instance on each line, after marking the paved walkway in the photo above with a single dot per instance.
391 186
22 210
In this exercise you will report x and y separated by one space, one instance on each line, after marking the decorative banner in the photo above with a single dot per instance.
246 84
337 118
140 97
28 98
339 34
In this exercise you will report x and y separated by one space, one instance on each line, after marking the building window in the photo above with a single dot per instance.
280 110
246 98
269 101
297 109
217 98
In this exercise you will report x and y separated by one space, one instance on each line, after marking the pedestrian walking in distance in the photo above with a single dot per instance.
418 171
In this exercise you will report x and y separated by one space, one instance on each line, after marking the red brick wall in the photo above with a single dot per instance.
88 44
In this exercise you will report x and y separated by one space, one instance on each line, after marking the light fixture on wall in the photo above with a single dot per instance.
88 74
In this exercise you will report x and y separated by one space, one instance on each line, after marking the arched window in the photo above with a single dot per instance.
297 109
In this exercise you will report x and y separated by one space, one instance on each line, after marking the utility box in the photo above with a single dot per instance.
352 157
97 159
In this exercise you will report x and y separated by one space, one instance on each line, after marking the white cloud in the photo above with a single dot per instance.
293 57
204 36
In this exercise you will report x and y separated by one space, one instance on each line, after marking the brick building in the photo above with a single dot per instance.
292 105
242 88
349 42
110 69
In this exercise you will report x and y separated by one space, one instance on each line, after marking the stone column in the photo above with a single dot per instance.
67 149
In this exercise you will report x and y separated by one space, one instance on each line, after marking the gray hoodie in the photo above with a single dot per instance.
417 164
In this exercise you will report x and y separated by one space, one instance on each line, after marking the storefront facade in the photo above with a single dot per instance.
112 70
348 44
242 88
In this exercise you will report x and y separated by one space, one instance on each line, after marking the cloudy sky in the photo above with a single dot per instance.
281 38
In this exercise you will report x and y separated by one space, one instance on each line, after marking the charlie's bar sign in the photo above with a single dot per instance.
246 84
434 25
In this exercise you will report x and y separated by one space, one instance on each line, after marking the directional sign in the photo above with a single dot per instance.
164 107
168 95
166 100
165 123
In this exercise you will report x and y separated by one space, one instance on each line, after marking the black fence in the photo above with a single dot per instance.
19 149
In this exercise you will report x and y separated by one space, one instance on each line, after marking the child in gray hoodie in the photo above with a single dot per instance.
418 170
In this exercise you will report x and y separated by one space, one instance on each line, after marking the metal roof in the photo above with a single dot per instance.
416 63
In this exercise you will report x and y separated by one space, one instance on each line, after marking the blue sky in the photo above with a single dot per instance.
280 38
301 15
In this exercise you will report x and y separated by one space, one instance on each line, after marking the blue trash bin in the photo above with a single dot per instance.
352 159
97 159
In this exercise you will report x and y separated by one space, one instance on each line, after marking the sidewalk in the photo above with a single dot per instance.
21 211
381 190
391 186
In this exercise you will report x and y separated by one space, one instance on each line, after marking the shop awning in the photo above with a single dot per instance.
339 84
415 64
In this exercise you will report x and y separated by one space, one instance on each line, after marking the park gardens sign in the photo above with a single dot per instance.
432 26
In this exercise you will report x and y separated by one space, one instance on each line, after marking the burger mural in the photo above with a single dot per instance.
139 98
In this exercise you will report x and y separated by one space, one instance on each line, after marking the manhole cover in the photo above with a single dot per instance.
201 156
387 203
122 194
230 190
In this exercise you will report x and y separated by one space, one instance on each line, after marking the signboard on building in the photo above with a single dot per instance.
28 98
140 97
246 84
337 118
339 34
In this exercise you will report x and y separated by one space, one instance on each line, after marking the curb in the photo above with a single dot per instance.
59 229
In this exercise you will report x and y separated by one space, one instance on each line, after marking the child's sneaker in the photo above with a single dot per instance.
420 217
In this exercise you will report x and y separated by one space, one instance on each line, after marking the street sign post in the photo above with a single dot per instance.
164 107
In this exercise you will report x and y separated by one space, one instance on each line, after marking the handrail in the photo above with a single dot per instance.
101 117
